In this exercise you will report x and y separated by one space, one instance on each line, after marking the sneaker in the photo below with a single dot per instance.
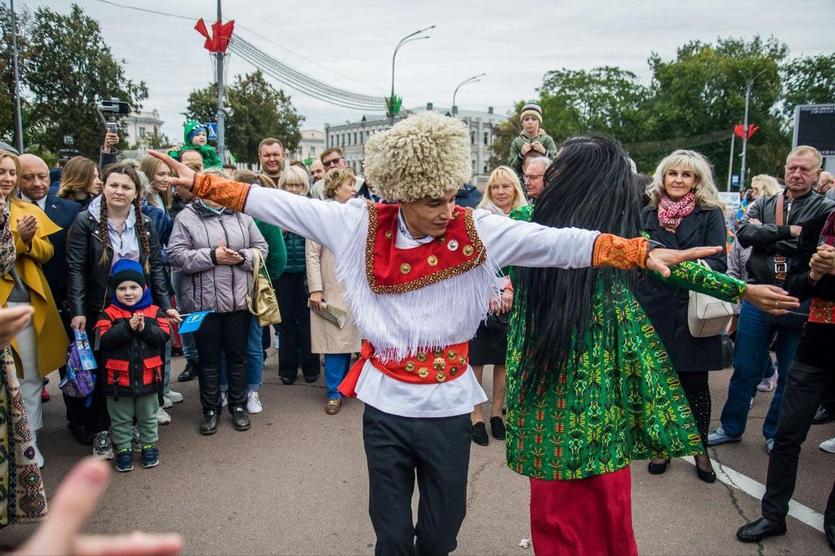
175 397
828 446
44 395
767 384
102 448
718 436
167 402
150 456
135 443
224 399
253 402
332 407
163 418
124 461
823 415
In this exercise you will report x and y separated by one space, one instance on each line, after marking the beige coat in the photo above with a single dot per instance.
326 337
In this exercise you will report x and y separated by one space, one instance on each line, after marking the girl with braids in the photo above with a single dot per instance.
111 228
590 386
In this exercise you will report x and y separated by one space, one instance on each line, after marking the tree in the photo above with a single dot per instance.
808 80
255 109
69 70
7 93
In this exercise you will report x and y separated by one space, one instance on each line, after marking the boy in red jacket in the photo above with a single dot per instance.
132 332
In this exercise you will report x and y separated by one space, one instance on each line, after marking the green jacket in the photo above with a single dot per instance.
277 258
516 158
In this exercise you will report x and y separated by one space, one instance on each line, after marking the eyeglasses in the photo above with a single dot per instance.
332 162
533 176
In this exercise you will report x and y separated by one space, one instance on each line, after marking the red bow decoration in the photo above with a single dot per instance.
740 132
218 41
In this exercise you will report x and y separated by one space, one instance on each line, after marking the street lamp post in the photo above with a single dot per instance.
473 79
748 86
411 37
16 75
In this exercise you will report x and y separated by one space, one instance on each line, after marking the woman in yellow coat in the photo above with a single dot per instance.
41 347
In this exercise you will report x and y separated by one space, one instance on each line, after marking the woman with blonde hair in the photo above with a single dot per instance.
684 211
294 348
80 181
502 195
764 185
40 347
158 173
335 342
503 192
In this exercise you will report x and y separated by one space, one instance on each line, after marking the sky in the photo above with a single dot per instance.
349 44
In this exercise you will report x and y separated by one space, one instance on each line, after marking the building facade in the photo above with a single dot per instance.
310 147
352 136
141 125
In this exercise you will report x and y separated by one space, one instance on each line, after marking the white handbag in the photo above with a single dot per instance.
706 315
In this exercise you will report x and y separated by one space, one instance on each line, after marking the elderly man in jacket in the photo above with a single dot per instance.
771 226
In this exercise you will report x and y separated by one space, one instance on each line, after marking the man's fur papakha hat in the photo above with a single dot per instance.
426 155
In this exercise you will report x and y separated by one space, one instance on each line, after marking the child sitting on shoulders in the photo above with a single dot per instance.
132 333
532 138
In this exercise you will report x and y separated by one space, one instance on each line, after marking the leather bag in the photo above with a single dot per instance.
261 300
707 316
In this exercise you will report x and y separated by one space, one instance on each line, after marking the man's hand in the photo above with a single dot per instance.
111 139
71 507
26 228
770 299
795 230
660 260
12 321
185 175
822 263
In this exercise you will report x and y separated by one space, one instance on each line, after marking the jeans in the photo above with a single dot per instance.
255 360
805 389
437 450
223 333
336 367
753 339
189 345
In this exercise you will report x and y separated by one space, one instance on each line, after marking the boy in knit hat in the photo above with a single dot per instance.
132 332
532 138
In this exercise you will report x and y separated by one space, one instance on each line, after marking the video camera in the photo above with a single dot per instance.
114 108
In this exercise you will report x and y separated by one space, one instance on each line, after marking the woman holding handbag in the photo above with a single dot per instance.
684 211
336 342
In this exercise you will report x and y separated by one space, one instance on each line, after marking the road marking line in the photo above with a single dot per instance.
755 489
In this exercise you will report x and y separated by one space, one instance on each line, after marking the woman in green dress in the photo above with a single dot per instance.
590 387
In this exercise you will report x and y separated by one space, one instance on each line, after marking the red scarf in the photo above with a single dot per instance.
671 213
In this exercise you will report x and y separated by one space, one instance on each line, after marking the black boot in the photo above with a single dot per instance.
240 419
189 372
209 424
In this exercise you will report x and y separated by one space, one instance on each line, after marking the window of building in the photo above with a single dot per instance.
485 167
472 137
312 151
141 131
486 137
355 138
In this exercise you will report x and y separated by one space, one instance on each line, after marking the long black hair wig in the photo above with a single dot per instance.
589 185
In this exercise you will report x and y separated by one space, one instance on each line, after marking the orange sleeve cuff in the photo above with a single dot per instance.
225 192
618 252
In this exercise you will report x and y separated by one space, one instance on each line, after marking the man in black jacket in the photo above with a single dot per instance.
811 275
771 226
34 187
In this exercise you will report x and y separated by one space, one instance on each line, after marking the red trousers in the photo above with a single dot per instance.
583 517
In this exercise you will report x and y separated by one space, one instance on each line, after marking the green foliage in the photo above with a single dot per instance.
255 110
67 68
693 101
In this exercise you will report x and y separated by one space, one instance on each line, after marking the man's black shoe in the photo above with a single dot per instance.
189 372
761 529
240 419
209 424
824 414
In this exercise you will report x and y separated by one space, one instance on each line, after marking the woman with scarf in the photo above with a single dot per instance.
590 387
684 211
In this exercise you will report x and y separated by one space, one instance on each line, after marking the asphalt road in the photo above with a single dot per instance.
296 484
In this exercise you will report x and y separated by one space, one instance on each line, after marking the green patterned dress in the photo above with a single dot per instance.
622 402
